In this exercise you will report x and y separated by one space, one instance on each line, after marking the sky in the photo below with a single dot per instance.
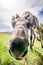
13 7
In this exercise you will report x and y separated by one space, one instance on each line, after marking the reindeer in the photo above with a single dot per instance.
19 43
32 24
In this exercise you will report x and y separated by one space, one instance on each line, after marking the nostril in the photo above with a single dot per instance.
10 52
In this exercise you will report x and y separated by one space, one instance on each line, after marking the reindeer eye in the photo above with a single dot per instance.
27 17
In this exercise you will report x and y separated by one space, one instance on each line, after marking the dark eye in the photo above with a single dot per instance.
27 17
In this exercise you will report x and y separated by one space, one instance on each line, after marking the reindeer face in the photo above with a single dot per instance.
19 41
29 17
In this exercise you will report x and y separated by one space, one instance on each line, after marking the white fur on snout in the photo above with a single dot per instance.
17 32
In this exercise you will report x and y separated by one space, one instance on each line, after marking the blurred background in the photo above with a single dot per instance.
9 8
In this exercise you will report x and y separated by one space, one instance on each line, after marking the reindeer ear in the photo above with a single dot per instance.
17 16
13 18
13 24
13 21
30 22
35 21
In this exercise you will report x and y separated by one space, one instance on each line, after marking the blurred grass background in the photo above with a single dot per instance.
34 57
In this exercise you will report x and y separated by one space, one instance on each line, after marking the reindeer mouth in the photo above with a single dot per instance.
19 48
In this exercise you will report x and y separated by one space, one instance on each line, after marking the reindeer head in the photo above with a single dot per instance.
19 39
32 20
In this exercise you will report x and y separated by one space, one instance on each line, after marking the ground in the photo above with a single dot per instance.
34 57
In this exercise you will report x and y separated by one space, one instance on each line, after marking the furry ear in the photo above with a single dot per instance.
13 18
13 24
35 21
17 16
13 21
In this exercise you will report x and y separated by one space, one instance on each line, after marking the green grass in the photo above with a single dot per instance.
34 57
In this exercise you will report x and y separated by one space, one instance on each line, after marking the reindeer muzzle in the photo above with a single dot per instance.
19 48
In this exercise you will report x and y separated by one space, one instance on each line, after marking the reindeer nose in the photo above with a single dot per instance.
18 47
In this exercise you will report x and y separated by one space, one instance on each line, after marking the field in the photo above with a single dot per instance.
34 57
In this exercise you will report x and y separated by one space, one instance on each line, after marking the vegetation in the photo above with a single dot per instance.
34 57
